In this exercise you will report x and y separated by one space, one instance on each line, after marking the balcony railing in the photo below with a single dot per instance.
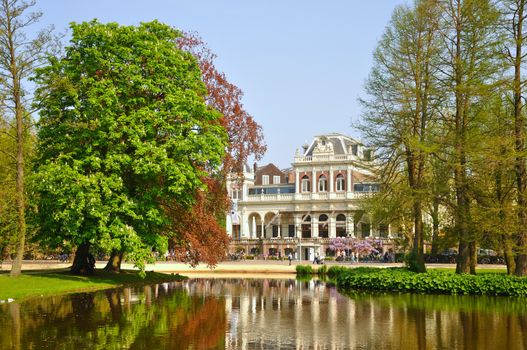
281 240
325 158
322 196
279 197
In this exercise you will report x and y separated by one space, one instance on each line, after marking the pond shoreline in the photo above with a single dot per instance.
240 266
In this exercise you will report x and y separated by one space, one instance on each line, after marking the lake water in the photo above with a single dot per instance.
261 314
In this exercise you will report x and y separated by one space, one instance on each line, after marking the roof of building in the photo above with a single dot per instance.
334 143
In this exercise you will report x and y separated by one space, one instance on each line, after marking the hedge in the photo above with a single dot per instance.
432 282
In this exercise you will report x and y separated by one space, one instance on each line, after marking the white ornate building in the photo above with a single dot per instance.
299 209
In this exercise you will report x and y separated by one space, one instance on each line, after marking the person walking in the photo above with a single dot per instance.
289 257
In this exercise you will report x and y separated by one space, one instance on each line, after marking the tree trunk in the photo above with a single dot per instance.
519 135
114 263
509 256
473 260
16 268
83 263
435 227
418 265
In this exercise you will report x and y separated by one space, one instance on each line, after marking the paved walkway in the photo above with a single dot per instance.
227 267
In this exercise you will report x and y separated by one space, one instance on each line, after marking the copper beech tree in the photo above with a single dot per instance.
198 233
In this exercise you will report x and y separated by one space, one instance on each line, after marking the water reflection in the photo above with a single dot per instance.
261 314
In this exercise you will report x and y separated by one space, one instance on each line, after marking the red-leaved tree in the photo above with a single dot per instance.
199 233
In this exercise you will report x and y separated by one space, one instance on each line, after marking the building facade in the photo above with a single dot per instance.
298 210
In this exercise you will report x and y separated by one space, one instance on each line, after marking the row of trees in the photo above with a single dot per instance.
136 133
445 109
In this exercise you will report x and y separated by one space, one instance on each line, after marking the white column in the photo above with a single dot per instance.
228 224
314 226
350 226
332 227
348 180
314 181
279 231
244 222
297 181
253 234
298 228
331 179
263 229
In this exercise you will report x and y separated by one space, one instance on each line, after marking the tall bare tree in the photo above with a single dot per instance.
19 55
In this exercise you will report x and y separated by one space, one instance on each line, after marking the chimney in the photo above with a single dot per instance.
255 166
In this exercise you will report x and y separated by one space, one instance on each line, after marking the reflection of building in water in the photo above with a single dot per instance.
281 313
261 314
269 314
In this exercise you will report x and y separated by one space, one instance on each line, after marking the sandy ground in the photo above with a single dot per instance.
223 269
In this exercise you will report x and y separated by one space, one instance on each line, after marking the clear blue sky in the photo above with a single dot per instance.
301 63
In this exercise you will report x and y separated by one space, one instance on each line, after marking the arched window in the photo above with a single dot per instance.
306 184
306 226
341 225
323 228
322 183
340 183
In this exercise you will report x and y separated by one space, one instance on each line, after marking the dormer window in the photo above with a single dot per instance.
322 183
276 180
265 179
306 184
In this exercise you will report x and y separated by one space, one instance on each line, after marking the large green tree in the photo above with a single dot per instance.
469 71
401 106
123 127
514 14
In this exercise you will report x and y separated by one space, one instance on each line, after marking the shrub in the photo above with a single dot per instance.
432 282
322 270
302 270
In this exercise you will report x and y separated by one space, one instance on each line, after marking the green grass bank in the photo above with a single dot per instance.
35 284
435 281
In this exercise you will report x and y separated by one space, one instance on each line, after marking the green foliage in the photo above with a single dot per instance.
432 282
303 270
322 270
123 127
412 263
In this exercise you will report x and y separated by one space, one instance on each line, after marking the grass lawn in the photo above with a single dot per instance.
34 284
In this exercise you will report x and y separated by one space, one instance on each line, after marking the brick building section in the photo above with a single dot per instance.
271 170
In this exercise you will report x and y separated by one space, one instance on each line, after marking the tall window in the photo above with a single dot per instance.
306 185
341 225
323 228
322 183
276 180
340 183
265 179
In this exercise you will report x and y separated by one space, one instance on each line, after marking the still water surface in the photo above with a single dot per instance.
260 314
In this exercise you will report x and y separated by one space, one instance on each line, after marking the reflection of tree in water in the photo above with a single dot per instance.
195 314
112 320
